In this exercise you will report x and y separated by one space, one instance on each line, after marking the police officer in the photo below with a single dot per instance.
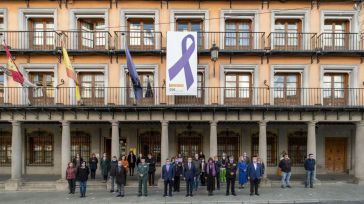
143 169
231 168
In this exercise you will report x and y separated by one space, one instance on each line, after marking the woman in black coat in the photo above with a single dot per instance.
82 176
120 178
132 161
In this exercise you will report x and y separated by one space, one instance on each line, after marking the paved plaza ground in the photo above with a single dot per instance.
345 193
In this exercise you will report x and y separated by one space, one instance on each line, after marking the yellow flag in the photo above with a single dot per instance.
71 73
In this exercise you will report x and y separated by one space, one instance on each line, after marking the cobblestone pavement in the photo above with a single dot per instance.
345 193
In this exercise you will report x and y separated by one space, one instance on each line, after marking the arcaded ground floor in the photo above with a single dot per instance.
46 146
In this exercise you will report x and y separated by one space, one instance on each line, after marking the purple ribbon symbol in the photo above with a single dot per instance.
183 62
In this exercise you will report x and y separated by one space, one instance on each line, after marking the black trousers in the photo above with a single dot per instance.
93 174
218 180
131 170
72 185
254 184
105 177
176 183
168 184
189 186
202 179
230 183
151 178
210 183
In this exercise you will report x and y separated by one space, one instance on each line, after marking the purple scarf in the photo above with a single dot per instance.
213 169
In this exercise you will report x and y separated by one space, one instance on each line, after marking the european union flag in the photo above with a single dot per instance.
138 92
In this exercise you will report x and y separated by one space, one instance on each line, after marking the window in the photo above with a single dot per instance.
238 88
92 33
2 23
335 35
150 143
238 34
287 88
141 33
2 85
335 88
195 25
40 148
44 93
92 87
199 99
287 33
272 147
42 32
297 147
5 148
228 142
189 143
80 144
147 83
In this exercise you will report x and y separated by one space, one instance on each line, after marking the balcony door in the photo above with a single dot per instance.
336 34
199 99
238 34
148 93
287 89
91 34
238 89
287 34
92 88
336 89
141 35
43 94
41 33
2 89
195 25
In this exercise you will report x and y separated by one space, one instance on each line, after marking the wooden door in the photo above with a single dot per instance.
189 143
336 154
107 148
150 143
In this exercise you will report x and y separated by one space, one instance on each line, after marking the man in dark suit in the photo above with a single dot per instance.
189 172
254 175
168 176
120 175
231 168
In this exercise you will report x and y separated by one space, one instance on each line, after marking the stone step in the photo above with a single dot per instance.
2 186
38 186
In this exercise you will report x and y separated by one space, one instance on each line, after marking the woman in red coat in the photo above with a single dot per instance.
71 177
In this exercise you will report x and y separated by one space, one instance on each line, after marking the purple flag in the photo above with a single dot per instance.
138 92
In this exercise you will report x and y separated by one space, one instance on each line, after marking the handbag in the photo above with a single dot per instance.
279 172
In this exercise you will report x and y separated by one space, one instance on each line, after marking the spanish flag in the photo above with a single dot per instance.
13 69
71 72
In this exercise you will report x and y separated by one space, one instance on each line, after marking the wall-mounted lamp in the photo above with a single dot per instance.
214 51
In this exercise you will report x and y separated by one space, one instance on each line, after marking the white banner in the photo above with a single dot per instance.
181 63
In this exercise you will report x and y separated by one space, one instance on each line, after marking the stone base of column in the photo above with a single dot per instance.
359 181
13 184
61 185
265 182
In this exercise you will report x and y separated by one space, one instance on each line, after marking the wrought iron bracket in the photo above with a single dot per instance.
27 2
265 2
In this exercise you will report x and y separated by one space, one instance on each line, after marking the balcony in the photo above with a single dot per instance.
292 42
87 41
340 42
146 41
30 41
207 96
231 42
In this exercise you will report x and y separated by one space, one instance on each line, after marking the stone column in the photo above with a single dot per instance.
359 152
16 153
164 142
66 147
115 142
263 143
311 138
213 139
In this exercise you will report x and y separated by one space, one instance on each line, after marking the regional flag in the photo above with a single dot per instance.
12 68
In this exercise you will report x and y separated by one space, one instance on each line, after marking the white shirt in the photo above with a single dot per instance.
255 166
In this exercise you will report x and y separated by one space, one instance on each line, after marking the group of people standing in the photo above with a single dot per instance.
194 171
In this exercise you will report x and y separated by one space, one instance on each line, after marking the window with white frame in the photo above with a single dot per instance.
2 22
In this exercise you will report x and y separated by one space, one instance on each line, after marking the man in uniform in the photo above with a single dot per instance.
143 169
231 168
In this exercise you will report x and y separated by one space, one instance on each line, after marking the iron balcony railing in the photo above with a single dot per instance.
138 40
30 40
283 41
231 41
206 96
87 40
341 42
